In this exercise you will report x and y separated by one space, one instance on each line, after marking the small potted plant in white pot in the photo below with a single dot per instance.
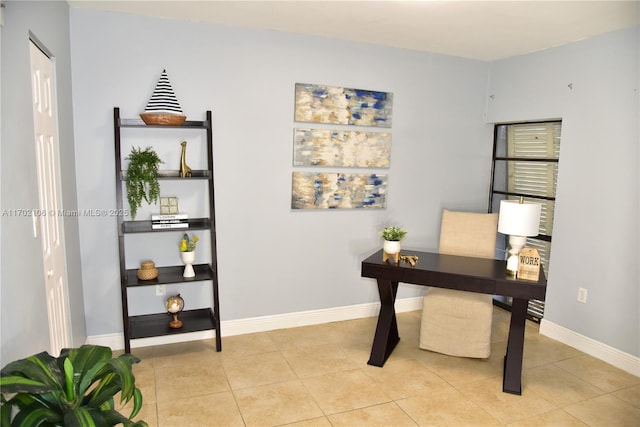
392 236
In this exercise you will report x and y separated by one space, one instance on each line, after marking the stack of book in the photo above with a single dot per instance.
163 222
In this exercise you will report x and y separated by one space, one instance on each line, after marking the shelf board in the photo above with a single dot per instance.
169 275
144 226
175 174
154 325
138 123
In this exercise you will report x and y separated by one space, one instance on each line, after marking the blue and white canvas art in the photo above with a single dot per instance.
312 190
344 106
340 148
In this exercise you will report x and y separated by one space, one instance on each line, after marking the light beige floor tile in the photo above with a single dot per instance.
344 391
191 356
144 374
276 404
193 381
401 378
317 360
305 336
248 344
506 407
384 415
186 380
447 407
598 373
540 350
464 370
184 348
257 369
558 386
218 409
314 422
147 413
555 418
630 395
605 411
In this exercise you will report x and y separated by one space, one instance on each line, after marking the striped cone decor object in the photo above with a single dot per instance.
163 107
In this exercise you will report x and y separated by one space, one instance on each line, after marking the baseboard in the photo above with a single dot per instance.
612 356
264 323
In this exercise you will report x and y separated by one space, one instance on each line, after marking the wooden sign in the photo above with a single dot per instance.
529 264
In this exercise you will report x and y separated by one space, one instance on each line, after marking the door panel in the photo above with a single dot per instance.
46 142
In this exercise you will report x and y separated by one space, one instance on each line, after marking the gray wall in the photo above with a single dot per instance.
271 260
596 236
24 316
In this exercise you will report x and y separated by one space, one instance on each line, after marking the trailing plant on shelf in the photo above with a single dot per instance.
142 178
393 233
75 389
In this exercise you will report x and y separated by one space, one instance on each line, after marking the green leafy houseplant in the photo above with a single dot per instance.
393 233
142 178
75 389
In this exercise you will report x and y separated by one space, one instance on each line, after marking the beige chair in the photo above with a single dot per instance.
458 323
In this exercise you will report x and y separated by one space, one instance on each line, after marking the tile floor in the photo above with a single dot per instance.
318 376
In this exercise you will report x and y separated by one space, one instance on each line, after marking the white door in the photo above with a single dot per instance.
46 144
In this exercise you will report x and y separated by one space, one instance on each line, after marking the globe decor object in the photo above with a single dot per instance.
174 305
163 107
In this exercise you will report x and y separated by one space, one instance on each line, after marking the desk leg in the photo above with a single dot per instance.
512 375
386 336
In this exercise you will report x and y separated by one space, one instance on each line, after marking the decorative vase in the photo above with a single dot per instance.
391 249
187 259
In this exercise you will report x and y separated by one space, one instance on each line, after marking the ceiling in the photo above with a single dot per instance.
482 30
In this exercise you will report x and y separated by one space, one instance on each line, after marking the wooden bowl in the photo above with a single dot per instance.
162 119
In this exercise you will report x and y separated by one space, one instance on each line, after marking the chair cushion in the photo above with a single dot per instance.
456 323
468 234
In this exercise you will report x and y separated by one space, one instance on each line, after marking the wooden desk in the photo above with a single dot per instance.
481 275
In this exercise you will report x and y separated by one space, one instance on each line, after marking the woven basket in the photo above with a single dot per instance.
147 271
162 119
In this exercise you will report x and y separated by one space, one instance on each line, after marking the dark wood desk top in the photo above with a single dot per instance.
482 275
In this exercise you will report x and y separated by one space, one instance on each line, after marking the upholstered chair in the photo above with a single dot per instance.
458 323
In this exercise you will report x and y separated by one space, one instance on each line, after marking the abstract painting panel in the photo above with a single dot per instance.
327 147
338 191
338 105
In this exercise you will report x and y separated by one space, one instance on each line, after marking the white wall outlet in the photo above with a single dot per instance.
161 290
582 295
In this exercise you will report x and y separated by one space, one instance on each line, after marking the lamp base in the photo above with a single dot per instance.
512 265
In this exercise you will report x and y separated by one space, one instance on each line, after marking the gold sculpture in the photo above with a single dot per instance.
185 170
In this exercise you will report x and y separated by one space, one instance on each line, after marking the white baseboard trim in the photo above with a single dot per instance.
263 323
612 356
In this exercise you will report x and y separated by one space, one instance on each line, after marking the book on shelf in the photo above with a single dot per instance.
171 221
167 217
167 226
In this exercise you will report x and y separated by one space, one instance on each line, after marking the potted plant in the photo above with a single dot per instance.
188 254
142 178
392 236
75 389
393 233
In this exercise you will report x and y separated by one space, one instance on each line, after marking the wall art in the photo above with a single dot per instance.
340 148
338 105
312 190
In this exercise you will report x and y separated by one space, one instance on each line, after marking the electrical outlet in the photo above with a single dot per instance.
582 295
161 290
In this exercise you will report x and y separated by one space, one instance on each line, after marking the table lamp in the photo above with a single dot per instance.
519 220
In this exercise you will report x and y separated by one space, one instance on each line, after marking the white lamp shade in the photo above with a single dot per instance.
519 219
